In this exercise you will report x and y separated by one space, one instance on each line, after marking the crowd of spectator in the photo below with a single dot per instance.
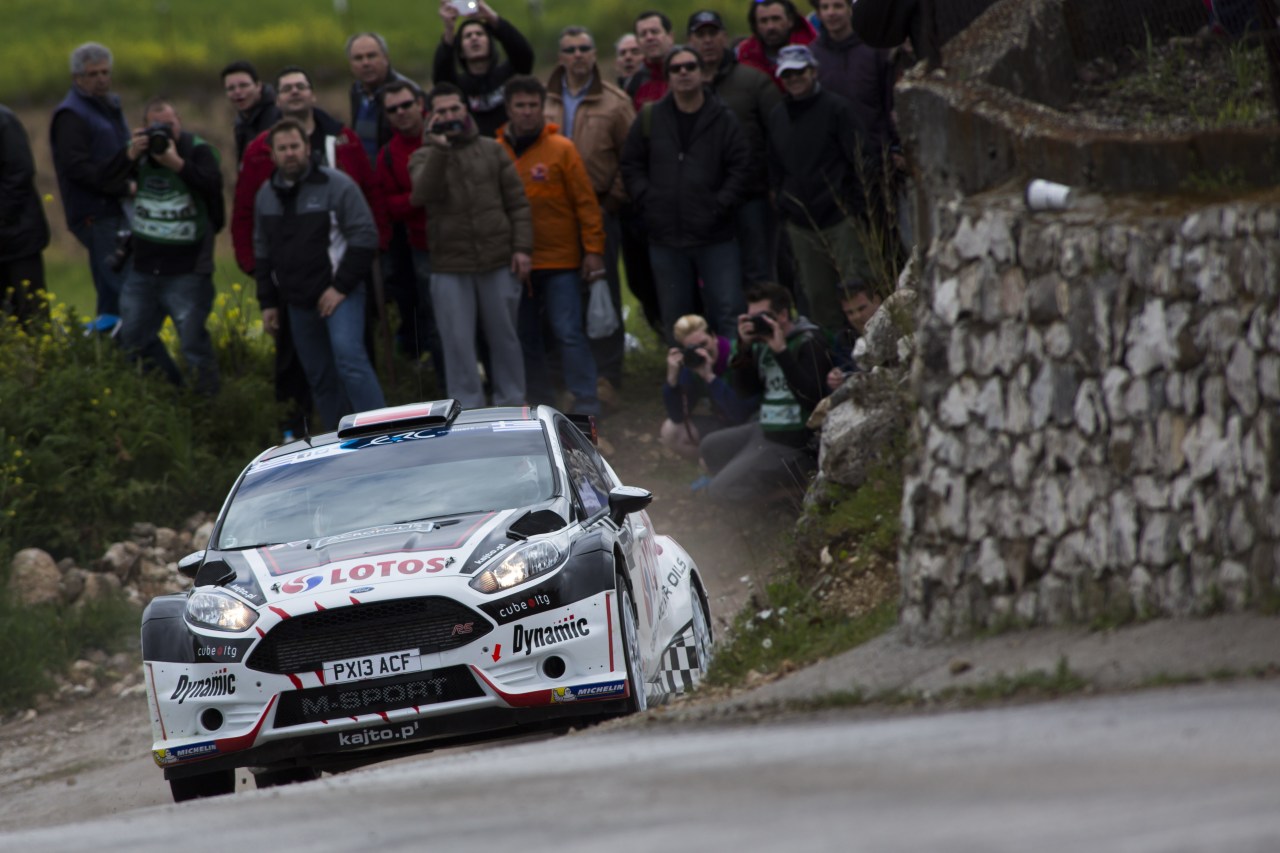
735 181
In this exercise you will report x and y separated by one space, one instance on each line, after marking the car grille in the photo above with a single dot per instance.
305 643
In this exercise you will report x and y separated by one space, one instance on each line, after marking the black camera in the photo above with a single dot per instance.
123 249
159 138
761 326
441 128
693 358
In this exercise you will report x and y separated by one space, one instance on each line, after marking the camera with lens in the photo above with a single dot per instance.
760 326
441 128
123 249
693 358
159 137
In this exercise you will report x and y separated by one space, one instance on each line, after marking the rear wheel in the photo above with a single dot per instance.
638 701
702 640
284 776
205 785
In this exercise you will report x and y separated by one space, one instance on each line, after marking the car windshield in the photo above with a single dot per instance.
371 482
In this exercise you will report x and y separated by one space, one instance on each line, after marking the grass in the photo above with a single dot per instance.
177 44
38 641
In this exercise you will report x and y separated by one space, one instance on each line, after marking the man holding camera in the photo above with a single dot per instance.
786 359
177 212
696 369
481 235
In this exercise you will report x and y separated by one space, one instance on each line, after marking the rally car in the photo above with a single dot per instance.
424 576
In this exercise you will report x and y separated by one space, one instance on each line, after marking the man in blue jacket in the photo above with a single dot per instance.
87 133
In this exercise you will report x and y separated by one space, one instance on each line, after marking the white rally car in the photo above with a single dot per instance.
422 577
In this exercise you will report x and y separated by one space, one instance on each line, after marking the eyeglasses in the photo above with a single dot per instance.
294 87
392 109
578 48
682 68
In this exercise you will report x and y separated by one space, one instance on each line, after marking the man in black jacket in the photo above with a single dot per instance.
686 165
24 231
371 66
254 101
752 96
824 177
177 212
87 133
469 59
314 241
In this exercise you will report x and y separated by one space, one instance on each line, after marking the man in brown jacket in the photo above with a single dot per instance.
596 115
481 235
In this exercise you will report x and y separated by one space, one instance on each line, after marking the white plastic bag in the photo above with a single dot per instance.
602 319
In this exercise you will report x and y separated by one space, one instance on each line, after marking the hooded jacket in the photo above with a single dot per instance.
24 230
687 195
484 92
599 131
862 75
477 211
566 214
331 145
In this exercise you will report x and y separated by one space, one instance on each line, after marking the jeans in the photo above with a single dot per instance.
756 227
746 467
333 354
495 297
100 235
146 299
559 293
677 272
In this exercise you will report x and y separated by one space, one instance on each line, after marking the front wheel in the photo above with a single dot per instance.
205 785
702 639
637 701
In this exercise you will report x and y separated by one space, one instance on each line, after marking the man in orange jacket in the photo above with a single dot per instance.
568 241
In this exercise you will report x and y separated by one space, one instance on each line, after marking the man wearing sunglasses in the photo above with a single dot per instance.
595 115
686 165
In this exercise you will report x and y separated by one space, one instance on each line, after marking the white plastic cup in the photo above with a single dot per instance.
1046 195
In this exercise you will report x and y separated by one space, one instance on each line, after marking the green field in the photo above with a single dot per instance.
180 44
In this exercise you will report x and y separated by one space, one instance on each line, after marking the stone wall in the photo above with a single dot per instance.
1098 431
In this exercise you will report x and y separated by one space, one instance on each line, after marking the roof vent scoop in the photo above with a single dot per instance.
437 413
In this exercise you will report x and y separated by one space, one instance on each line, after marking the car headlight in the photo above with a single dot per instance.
518 565
219 611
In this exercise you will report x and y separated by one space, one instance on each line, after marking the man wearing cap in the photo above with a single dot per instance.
818 162
774 25
595 115
686 165
751 95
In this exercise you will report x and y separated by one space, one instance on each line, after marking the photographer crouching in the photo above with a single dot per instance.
178 209
696 371
786 359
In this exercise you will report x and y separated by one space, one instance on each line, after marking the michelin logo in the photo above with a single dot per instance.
588 692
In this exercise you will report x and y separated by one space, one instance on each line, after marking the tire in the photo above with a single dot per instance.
284 776
205 785
702 638
637 701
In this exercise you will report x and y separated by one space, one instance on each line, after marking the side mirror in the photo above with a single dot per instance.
190 564
625 500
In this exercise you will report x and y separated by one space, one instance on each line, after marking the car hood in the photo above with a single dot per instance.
348 561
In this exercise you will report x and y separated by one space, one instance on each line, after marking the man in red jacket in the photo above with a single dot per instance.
774 25
331 145
653 31
405 109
